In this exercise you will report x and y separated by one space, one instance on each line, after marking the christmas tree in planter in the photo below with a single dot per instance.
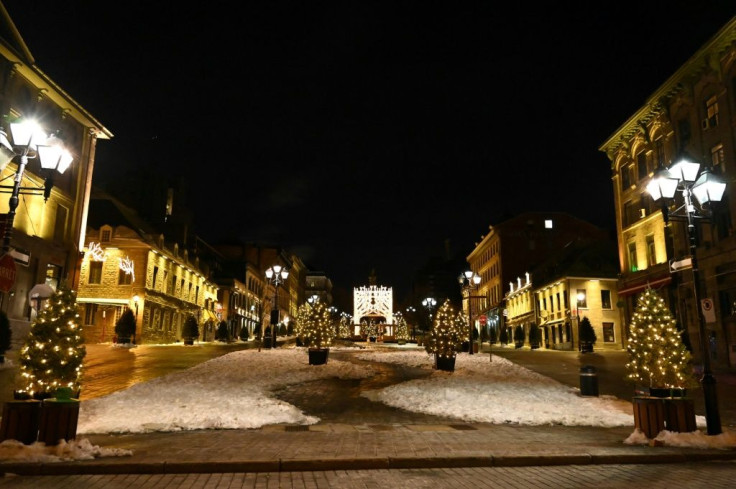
318 333
657 357
190 330
401 331
52 355
445 337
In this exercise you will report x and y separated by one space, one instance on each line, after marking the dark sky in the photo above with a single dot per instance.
363 135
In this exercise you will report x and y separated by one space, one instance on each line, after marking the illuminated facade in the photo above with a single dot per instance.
126 267
693 113
515 246
47 236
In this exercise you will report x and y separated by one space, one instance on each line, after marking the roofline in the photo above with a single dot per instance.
720 41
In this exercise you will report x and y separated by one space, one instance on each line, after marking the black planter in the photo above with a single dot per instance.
318 356
465 346
445 363
664 392
586 347
188 341
299 341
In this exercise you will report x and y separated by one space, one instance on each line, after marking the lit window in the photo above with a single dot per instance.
548 223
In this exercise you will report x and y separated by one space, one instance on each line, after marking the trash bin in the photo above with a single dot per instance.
588 381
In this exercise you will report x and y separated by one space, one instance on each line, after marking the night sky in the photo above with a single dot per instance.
364 135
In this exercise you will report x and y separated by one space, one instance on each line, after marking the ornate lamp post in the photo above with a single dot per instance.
30 141
686 177
469 281
276 275
412 310
580 300
429 303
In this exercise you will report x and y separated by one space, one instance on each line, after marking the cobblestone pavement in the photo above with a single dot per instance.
705 475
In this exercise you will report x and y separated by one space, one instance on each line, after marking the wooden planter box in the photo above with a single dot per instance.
58 421
654 414
20 421
649 415
679 414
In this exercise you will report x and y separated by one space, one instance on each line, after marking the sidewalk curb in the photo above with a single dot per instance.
368 463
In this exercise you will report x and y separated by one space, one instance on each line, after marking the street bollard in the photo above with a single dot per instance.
588 381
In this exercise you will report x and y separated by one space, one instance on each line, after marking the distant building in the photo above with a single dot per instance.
514 247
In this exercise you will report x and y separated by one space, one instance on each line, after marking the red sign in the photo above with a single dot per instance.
7 272
483 319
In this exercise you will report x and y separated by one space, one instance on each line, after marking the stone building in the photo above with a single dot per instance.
128 264
48 234
692 114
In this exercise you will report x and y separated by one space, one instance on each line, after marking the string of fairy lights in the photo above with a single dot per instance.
657 355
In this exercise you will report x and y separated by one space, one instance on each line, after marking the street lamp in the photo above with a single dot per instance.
412 310
429 303
469 281
687 177
29 141
276 275
581 300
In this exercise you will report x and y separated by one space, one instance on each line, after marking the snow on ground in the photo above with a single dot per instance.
497 391
235 391
229 392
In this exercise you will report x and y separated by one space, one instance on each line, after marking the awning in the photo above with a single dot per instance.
209 315
654 284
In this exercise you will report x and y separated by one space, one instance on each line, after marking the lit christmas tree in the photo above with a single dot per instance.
302 317
401 329
344 327
317 329
54 350
657 356
448 332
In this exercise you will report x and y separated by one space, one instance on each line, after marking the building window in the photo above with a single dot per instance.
60 224
711 113
651 251
641 164
90 312
95 272
717 157
548 223
153 280
659 146
626 177
633 262
683 129
105 236
606 299
124 278
608 336
582 299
